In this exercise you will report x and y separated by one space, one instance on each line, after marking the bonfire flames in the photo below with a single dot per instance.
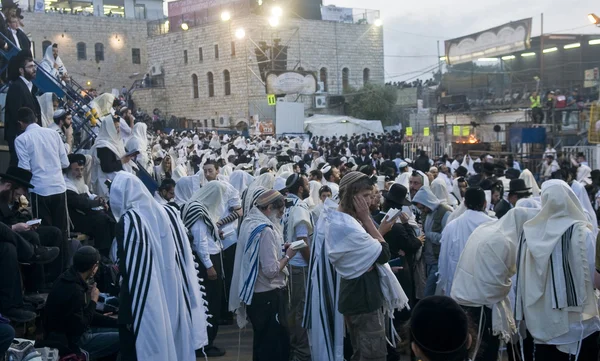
470 140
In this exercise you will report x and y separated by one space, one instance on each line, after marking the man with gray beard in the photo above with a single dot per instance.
87 211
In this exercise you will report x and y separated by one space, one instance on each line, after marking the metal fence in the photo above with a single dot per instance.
433 149
589 151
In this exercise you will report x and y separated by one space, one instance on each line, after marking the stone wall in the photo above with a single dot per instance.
117 35
312 45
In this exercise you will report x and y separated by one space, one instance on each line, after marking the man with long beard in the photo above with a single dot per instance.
87 211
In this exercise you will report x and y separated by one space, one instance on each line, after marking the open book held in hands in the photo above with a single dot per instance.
298 245
393 212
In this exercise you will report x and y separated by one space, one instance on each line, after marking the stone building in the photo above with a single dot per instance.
212 77
207 74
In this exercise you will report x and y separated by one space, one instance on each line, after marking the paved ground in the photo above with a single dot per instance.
229 337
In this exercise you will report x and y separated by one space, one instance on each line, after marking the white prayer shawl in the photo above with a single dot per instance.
246 266
296 213
159 199
185 261
585 202
528 202
468 163
486 265
107 138
240 180
454 237
266 180
156 295
555 283
46 108
313 199
179 172
403 179
438 187
214 142
139 132
211 196
352 251
324 323
48 63
185 188
584 174
530 182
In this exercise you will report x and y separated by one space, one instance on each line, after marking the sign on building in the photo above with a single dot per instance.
271 99
291 82
501 40
590 78
337 14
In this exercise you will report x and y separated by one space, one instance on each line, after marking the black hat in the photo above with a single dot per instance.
7 4
474 198
440 327
18 175
397 195
488 168
486 184
512 173
461 171
477 167
518 186
76 158
85 258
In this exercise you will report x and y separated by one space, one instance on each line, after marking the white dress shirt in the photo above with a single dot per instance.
28 83
15 37
41 151
204 243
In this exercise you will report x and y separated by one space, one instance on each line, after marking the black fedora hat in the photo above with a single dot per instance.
397 195
6 4
518 186
18 175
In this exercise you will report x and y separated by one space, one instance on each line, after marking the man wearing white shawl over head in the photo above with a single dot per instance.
154 317
356 248
260 278
555 270
483 281
200 215
108 154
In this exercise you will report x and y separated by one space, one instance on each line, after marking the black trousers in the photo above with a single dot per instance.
228 262
268 315
490 344
11 295
588 351
214 292
127 344
52 210
99 225
35 275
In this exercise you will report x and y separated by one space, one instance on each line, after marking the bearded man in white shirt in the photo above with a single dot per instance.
41 151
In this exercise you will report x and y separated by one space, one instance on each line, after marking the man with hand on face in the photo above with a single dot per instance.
71 310
87 211
62 122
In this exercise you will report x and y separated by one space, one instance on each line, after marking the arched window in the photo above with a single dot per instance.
205 123
45 45
81 51
195 85
323 78
212 123
99 50
227 82
211 84
345 78
366 76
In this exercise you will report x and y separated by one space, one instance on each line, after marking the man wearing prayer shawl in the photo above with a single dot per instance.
200 215
368 288
555 270
457 232
259 287
484 279
154 317
298 226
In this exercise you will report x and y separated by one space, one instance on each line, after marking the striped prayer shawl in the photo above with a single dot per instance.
563 284
194 211
139 263
250 264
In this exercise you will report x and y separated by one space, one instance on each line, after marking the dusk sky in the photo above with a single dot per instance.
412 28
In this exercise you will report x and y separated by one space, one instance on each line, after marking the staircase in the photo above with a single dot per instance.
69 94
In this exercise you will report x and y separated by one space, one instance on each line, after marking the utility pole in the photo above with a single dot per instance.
439 90
542 52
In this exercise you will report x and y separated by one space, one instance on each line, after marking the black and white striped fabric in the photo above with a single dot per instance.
194 211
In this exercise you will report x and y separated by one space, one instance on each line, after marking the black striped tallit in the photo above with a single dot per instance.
139 263
194 211
180 255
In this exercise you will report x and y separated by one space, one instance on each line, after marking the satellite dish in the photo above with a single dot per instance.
497 128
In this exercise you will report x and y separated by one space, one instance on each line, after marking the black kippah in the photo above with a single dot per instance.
439 326
85 258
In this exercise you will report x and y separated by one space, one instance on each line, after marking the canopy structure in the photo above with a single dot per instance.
339 125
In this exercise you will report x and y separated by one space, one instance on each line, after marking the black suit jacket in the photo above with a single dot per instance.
24 41
19 96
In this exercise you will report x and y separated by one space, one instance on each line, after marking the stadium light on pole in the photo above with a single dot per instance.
274 21
240 33
378 22
276 11
184 26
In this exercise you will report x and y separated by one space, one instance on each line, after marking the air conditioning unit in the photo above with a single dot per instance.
156 70
320 101
320 87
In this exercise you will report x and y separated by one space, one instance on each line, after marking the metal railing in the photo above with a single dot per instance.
433 149
588 150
